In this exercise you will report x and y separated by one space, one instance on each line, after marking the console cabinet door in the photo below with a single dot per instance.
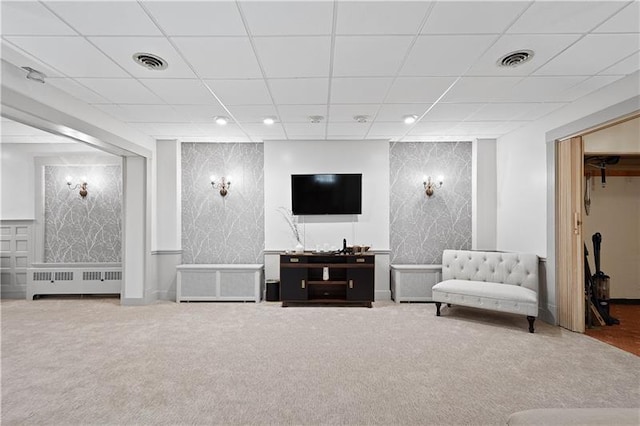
293 284
360 281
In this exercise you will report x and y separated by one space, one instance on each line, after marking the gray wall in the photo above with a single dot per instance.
421 227
83 230
218 229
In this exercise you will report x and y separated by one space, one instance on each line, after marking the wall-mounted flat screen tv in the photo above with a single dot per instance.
326 194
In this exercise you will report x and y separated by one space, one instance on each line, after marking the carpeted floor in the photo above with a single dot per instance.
625 335
92 361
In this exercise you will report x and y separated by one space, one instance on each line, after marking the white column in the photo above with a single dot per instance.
134 230
484 195
168 250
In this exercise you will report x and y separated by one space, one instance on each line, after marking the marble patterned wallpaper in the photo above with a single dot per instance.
83 230
216 229
421 227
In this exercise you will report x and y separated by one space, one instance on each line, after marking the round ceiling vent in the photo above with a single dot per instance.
514 59
150 61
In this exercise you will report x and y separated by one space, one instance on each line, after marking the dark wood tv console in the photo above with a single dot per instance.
348 280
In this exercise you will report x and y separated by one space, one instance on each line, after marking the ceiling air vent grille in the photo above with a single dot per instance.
514 59
150 61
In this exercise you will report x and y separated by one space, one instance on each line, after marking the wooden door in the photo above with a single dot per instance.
569 245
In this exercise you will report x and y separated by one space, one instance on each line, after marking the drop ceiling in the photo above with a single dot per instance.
247 60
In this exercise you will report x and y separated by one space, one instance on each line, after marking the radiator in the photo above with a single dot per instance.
69 279
219 282
413 283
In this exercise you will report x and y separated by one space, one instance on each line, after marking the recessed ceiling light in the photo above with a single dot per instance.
361 118
516 58
150 61
316 118
221 121
269 121
410 119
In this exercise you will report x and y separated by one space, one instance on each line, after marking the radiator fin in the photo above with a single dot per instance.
113 275
64 276
91 276
42 276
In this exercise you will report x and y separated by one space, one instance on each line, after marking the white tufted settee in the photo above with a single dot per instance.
505 282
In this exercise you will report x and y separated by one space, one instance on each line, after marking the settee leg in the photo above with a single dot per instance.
438 304
531 320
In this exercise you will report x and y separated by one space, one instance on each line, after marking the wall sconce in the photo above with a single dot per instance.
223 185
82 185
430 186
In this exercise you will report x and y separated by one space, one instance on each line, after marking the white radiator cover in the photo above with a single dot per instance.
65 278
220 282
413 283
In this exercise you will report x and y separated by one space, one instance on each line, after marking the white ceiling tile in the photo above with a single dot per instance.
479 89
625 21
311 137
359 90
369 55
198 113
451 112
626 66
241 92
294 56
300 113
149 114
177 91
315 130
544 47
501 111
377 17
77 90
450 55
431 128
124 18
121 90
230 129
349 129
113 110
288 17
472 17
262 131
397 112
418 89
31 18
253 113
300 90
73 56
542 109
592 54
539 89
122 49
220 57
197 18
564 16
345 113
389 129
589 85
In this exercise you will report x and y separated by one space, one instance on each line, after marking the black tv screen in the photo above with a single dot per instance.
326 194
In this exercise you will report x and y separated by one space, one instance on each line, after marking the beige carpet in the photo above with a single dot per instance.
91 361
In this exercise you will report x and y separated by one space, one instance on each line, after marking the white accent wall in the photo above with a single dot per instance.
284 158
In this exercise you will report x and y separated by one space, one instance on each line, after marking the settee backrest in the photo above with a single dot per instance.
507 268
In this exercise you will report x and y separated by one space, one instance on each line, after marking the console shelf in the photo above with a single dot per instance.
349 279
